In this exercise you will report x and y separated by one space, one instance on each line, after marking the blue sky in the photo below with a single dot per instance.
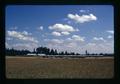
73 28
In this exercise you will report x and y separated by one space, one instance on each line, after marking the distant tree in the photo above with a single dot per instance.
39 50
52 52
66 53
56 53
72 53
101 54
86 52
77 54
34 51
47 51
62 53
13 52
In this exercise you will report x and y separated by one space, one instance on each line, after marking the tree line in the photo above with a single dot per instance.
47 51
39 50
13 52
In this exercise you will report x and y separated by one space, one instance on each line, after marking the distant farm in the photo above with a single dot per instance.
22 67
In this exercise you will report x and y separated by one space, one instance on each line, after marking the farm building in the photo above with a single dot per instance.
34 54
31 54
41 54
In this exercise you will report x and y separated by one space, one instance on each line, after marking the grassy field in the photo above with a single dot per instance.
36 67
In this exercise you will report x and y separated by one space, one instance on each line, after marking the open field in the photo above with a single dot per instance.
36 67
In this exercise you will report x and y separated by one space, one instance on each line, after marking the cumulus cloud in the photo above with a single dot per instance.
69 39
65 33
57 41
62 27
82 18
26 33
71 45
68 42
40 28
98 38
77 38
82 11
79 47
107 47
110 36
110 31
56 33
54 41
21 35
21 46
91 44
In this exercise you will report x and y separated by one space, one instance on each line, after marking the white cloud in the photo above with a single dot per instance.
106 47
77 38
98 39
40 28
56 33
110 36
54 41
57 41
110 31
79 47
82 11
71 45
91 44
65 33
28 46
83 18
26 33
7 45
22 36
69 39
62 27
95 38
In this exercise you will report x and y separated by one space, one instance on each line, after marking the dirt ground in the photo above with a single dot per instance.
52 68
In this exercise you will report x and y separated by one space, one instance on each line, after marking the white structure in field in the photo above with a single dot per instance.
41 54
33 54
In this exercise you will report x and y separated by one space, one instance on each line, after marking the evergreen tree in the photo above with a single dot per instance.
56 52
66 53
52 52
86 52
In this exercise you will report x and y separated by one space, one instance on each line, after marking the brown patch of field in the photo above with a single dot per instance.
36 67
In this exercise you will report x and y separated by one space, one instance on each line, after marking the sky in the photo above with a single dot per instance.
72 28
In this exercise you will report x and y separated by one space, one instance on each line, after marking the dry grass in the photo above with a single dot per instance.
36 67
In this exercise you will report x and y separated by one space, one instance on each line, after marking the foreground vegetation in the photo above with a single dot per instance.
36 67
